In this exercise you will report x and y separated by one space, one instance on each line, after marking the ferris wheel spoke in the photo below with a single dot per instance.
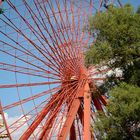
71 98
61 30
26 52
73 48
56 125
27 71
49 128
25 61
43 35
4 66
62 26
49 120
120 3
55 34
67 13
57 108
19 123
73 30
70 48
64 51
24 20
46 131
54 31
40 117
58 99
69 120
38 95
12 66
46 29
61 123
78 42
29 84
36 20
59 51
92 4
40 50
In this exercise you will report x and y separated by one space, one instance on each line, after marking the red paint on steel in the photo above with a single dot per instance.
69 120
29 84
39 118
87 112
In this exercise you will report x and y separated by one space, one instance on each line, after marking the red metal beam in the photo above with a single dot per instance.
46 131
39 118
29 84
38 95
87 113
81 117
70 118
72 114
50 122
56 110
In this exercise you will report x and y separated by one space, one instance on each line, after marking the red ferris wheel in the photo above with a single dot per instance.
46 91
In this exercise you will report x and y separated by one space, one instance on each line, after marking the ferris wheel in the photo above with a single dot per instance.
46 91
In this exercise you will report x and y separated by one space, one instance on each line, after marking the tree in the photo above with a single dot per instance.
118 46
122 119
118 41
138 10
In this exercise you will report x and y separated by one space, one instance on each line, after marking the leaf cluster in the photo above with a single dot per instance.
118 40
122 119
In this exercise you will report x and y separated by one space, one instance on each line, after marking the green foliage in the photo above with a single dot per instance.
118 46
123 115
99 51
138 10
118 39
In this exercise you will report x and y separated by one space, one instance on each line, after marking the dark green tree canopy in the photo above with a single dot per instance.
138 10
123 115
118 41
118 46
